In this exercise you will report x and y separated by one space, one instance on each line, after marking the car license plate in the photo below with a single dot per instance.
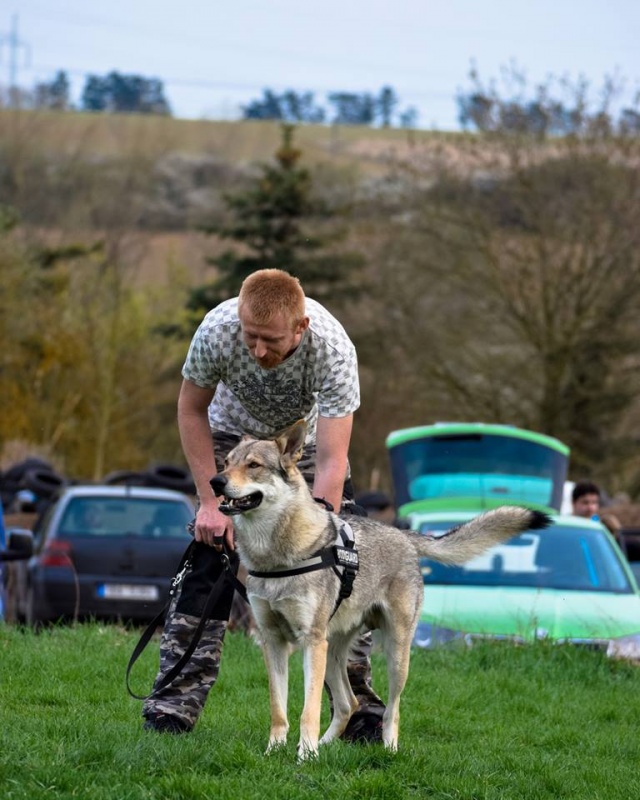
127 591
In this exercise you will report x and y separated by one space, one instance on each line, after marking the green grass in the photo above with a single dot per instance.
491 722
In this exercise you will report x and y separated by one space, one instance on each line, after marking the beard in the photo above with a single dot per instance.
270 361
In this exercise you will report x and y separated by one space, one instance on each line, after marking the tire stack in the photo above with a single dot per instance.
27 486
164 476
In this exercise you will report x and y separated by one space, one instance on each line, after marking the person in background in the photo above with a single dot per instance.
587 499
378 506
257 364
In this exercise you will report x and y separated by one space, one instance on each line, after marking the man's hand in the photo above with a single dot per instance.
213 527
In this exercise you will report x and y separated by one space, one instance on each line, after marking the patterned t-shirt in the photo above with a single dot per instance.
320 377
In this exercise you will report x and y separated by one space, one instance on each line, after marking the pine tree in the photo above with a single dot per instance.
272 224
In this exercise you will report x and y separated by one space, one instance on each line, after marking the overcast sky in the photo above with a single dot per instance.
214 57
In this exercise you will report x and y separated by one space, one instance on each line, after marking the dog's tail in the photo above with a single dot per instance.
471 539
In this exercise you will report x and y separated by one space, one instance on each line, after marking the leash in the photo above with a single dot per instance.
212 598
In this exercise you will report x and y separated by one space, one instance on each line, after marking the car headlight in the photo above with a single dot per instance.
625 647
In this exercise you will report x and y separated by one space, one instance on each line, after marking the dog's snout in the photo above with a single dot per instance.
218 482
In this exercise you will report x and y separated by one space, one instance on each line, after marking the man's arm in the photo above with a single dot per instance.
197 445
332 449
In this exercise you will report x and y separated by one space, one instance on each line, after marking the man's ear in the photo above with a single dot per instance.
291 441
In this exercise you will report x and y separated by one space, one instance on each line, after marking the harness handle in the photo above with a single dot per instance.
212 599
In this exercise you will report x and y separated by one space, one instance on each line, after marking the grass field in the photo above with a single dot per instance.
490 722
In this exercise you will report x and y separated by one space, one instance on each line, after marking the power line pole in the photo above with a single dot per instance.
15 44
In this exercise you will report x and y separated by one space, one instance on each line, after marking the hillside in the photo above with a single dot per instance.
75 176
238 142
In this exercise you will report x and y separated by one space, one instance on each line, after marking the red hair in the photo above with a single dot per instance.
272 291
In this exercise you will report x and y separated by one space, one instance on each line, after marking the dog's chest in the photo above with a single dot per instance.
285 593
283 610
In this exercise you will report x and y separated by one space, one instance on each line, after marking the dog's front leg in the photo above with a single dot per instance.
314 665
276 656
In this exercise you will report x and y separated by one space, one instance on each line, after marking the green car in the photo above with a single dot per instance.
567 583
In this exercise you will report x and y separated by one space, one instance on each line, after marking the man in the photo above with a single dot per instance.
586 499
256 364
378 506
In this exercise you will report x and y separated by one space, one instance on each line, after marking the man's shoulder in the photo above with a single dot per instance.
317 311
324 325
224 314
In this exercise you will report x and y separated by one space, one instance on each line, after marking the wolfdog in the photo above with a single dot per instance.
316 580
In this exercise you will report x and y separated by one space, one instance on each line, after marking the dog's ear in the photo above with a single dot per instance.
291 441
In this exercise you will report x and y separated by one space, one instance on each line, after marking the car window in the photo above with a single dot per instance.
560 557
107 516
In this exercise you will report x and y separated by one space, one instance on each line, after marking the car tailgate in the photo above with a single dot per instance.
127 556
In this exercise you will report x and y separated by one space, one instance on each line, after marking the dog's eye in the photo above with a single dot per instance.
253 465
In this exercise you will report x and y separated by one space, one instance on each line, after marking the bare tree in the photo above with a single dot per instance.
84 372
518 292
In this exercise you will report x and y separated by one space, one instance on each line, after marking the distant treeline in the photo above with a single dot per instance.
478 108
345 108
120 93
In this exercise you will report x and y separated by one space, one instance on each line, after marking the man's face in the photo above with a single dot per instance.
587 506
270 343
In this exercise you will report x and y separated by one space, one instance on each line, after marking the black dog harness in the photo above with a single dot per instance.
342 557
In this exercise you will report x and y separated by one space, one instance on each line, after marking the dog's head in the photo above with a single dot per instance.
260 470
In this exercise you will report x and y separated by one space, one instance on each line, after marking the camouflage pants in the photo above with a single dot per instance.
186 695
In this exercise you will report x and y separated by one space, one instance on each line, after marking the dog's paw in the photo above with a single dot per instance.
391 745
275 743
306 752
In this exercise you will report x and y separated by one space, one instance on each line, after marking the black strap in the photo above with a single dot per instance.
319 560
343 556
212 599
324 503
